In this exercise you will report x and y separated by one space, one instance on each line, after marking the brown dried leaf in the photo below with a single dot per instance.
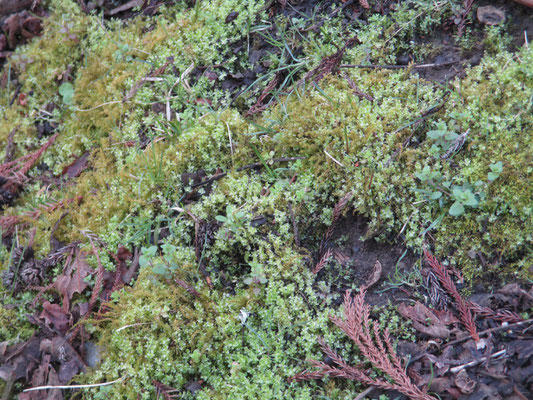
74 169
54 315
465 384
72 279
376 275
420 315
16 358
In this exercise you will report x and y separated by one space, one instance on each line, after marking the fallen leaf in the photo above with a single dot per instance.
72 279
424 320
67 371
376 275
54 315
465 384
16 358
490 15
74 169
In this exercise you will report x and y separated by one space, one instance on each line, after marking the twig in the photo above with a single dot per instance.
358 92
91 385
132 325
294 226
454 370
376 348
323 260
465 313
334 160
491 330
364 393
250 166
390 66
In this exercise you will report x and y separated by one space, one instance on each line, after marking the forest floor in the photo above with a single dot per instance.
228 199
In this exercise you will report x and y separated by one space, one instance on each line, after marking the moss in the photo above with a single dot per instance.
131 194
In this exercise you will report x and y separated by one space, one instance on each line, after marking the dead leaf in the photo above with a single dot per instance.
62 351
421 316
72 279
74 169
16 358
39 378
465 384
67 371
376 275
54 315
490 15
53 380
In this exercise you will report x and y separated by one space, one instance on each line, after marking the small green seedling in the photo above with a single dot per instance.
234 218
443 138
66 90
257 275
495 171
463 196
165 265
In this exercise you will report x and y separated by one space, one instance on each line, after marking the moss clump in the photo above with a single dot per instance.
133 191
369 139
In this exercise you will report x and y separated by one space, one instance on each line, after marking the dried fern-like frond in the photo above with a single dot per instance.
502 315
377 349
465 314
337 212
16 170
323 260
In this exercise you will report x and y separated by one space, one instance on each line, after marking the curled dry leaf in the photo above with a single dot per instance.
55 316
424 320
490 15
376 275
464 383
72 279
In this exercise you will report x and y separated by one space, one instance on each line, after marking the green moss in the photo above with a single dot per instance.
130 194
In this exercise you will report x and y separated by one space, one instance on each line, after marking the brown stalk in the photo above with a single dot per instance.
364 4
377 349
465 314
187 287
337 212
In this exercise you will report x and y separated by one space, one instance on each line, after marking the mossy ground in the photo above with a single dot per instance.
130 192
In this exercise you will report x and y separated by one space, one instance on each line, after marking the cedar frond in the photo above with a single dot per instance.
323 260
376 349
16 172
337 212
503 315
465 313
364 4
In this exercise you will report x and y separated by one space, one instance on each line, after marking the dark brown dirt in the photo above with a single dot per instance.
354 259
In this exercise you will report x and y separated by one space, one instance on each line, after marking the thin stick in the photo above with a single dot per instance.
476 362
362 395
335 161
129 326
294 226
251 166
388 66
492 330
91 385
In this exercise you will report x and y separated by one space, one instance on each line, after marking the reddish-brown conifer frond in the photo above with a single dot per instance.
17 172
377 350
465 313
323 260
503 315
